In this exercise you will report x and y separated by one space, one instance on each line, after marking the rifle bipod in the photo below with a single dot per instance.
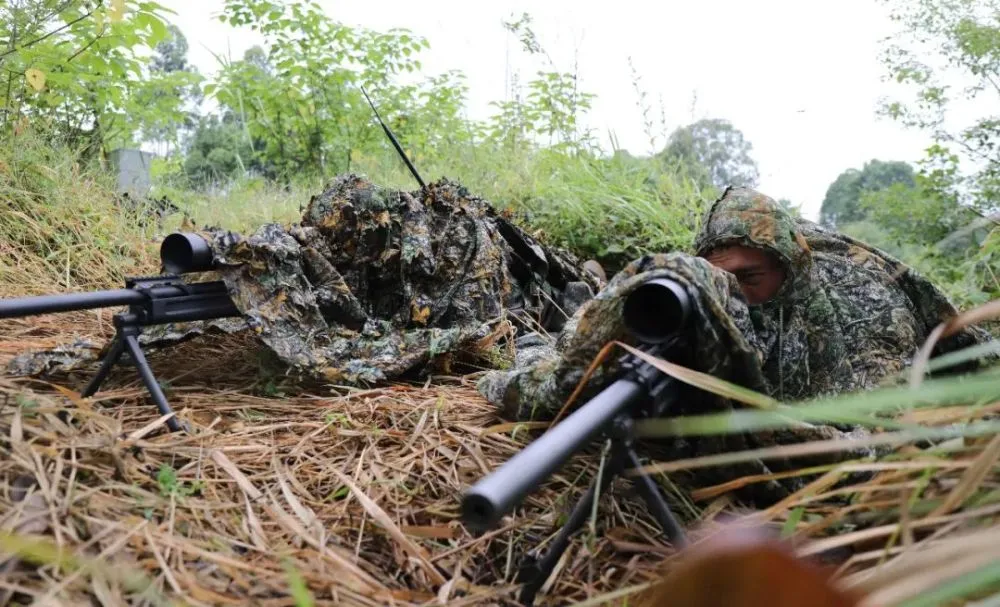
533 571
159 300
127 330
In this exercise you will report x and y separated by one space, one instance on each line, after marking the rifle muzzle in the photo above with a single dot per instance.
183 252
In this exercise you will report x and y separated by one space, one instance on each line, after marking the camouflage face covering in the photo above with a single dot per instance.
846 317
374 283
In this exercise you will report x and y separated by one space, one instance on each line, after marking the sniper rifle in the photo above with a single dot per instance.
655 313
153 300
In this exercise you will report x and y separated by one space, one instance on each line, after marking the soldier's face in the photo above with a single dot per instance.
759 273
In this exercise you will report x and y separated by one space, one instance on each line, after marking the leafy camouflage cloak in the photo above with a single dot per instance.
374 283
846 317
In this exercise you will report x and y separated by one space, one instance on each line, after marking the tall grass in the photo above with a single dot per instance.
573 201
61 226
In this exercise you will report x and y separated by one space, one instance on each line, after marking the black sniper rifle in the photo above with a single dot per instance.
655 313
153 300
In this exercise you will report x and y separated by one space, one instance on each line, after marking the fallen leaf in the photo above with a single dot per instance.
745 568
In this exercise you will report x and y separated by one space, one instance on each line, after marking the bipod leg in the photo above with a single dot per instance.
117 348
534 573
655 502
132 344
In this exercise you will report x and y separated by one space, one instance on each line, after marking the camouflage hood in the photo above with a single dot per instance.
745 217
847 316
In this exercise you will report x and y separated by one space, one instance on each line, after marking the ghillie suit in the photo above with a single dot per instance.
846 318
375 283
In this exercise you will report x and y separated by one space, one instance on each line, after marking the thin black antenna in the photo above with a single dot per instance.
395 143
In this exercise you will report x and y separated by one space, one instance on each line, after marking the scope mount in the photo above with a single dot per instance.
199 301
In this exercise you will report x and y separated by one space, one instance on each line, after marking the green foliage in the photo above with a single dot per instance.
79 66
842 203
918 215
551 108
933 233
60 225
218 151
292 115
297 585
243 204
578 201
947 60
171 53
715 151
169 484
946 42
302 96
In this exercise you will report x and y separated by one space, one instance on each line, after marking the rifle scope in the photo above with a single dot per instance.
183 252
655 311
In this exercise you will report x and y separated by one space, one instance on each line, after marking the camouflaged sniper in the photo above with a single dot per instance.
374 283
848 314
847 317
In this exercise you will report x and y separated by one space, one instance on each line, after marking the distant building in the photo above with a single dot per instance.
132 168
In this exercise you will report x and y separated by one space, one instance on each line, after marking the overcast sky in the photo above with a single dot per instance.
800 79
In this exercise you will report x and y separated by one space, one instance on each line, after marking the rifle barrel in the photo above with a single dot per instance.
195 301
46 304
498 493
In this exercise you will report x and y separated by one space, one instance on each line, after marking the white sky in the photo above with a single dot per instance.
801 79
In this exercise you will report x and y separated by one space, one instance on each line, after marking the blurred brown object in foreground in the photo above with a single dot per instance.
745 568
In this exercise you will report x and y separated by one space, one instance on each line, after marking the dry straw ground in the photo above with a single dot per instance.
352 498
356 494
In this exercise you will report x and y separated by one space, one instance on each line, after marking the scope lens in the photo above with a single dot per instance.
183 252
656 309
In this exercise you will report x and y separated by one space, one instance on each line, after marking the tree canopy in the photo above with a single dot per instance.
716 151
842 203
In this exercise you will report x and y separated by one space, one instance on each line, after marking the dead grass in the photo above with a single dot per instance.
356 494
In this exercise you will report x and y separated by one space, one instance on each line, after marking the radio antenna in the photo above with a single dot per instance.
395 143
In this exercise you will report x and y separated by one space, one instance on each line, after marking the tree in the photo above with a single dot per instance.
300 95
842 201
170 54
948 55
79 69
218 150
172 83
716 151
